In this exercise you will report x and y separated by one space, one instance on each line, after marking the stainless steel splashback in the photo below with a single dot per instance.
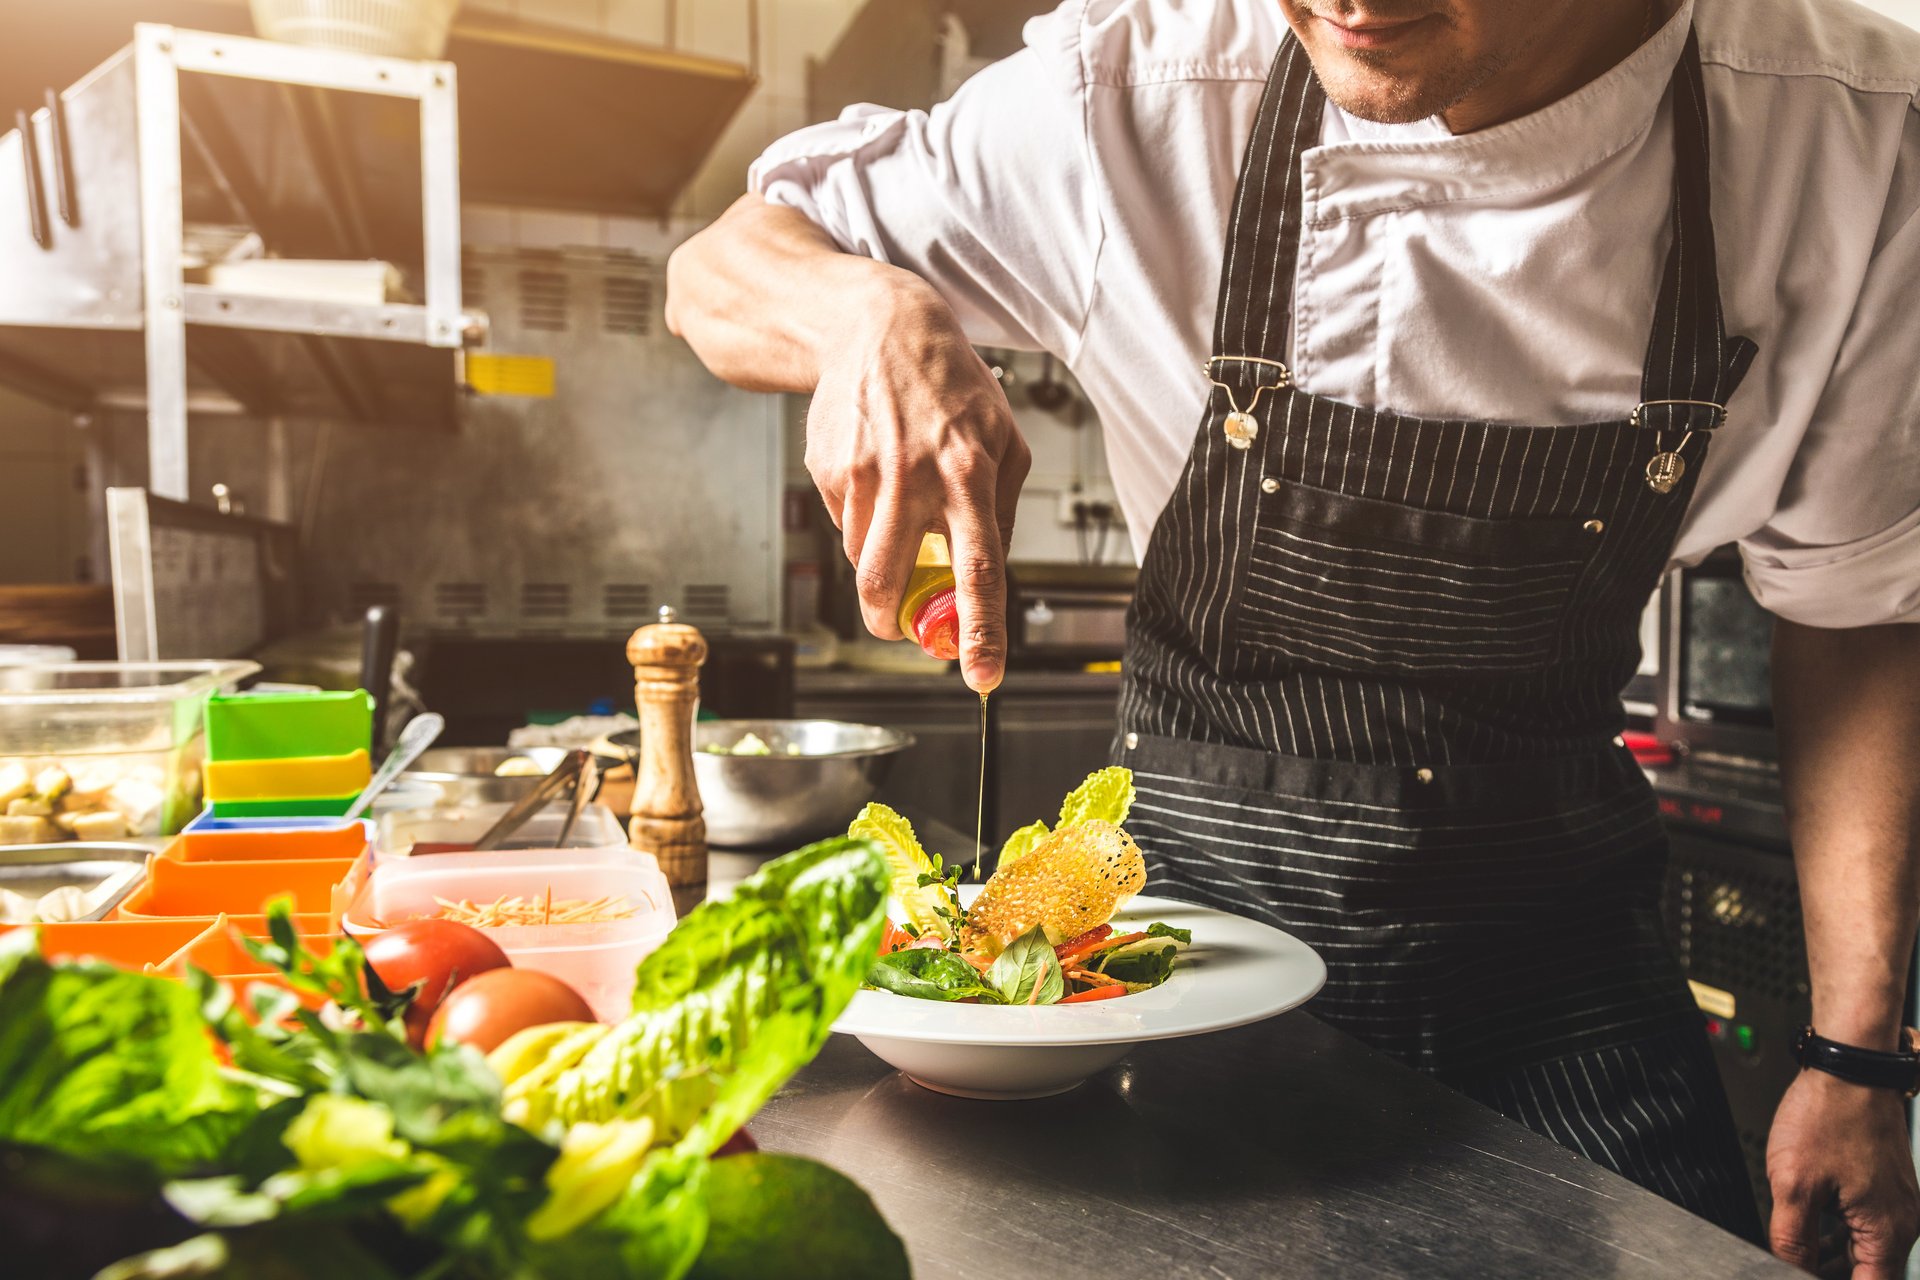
641 481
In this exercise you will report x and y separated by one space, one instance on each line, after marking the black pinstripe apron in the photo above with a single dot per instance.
1373 687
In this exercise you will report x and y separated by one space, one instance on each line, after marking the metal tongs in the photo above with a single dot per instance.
577 770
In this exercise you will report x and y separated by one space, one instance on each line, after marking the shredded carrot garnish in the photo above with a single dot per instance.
524 911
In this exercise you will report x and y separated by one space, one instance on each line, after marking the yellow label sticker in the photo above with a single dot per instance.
502 375
1712 999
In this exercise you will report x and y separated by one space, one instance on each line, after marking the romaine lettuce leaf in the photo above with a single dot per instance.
815 1222
740 995
99 1062
909 866
1107 795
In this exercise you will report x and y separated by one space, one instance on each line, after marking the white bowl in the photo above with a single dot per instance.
1237 971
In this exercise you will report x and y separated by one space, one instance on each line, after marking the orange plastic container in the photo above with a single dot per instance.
207 889
126 944
216 949
348 840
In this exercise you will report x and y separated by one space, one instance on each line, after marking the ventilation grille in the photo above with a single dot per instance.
362 596
543 301
545 600
628 600
459 601
473 285
628 305
1736 922
707 600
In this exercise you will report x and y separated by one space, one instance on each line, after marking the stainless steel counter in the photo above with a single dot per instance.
1282 1149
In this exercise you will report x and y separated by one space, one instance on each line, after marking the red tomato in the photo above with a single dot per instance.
438 954
493 1006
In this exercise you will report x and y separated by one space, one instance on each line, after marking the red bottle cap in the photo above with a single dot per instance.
936 625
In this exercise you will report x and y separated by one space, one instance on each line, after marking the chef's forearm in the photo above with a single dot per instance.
1847 703
764 296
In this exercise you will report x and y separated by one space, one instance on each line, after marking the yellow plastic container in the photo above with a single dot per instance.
308 778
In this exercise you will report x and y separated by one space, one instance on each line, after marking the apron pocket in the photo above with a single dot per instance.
1362 585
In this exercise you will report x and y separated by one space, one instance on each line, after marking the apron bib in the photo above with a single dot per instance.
1373 685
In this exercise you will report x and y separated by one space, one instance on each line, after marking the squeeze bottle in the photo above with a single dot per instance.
929 612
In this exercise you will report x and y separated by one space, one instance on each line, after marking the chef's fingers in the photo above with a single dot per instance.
884 565
855 516
1013 474
1794 1231
979 571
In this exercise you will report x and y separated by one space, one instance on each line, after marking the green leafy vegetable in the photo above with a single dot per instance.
98 1062
1106 795
780 1214
738 997
915 880
1158 930
1146 962
930 974
1028 971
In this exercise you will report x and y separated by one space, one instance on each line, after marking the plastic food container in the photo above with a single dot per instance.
287 726
318 807
443 830
323 776
318 886
104 750
597 960
126 944
343 840
207 820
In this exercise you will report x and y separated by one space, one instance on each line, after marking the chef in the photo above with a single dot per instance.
1490 310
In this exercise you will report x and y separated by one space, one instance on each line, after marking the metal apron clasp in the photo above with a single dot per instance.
1241 428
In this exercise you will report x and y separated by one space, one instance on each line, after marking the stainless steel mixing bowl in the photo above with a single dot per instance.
458 776
783 800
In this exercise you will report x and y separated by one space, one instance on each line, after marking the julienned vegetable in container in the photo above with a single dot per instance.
1038 932
149 1121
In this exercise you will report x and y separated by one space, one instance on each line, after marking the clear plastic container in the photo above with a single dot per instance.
445 830
596 960
104 750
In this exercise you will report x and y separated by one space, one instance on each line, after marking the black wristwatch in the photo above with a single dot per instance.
1873 1067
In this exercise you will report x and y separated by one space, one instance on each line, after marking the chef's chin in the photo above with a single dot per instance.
1389 65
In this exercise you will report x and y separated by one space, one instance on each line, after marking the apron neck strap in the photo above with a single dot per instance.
1690 361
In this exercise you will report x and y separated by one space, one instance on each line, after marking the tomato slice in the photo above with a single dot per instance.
1096 993
1084 943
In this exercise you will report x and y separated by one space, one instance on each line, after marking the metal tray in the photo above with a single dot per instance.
36 870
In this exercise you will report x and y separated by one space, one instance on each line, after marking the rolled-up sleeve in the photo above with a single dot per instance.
987 197
1843 547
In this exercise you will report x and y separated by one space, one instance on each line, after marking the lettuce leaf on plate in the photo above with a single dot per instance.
1106 796
915 880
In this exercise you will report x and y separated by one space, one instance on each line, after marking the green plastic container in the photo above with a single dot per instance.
286 726
331 807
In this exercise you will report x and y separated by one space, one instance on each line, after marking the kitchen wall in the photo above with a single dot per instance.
1067 457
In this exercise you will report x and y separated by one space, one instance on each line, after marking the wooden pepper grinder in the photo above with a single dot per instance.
667 822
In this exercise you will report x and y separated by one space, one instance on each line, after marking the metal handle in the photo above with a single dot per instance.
378 640
36 194
62 159
569 772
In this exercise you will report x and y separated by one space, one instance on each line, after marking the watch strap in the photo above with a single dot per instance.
1875 1068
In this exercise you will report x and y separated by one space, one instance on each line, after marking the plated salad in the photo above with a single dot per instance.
1040 931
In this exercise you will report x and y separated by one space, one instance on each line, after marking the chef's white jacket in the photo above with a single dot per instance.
1074 198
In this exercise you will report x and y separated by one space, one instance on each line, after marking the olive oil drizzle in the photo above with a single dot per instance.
980 801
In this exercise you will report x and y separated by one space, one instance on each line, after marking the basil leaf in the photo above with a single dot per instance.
1182 936
926 973
1028 972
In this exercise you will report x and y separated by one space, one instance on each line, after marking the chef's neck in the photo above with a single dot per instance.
1473 63
1591 40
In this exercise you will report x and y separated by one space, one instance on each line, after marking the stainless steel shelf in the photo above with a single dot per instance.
318 154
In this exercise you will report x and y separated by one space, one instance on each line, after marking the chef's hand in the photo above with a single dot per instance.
910 431
1843 1147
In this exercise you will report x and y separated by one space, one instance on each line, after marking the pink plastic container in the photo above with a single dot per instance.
597 960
